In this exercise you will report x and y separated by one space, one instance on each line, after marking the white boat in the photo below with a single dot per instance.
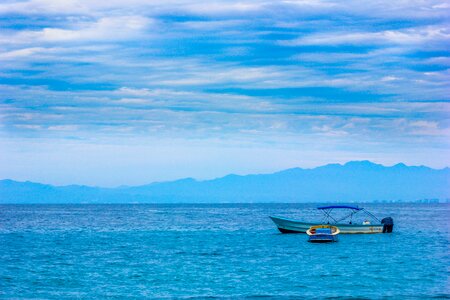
296 226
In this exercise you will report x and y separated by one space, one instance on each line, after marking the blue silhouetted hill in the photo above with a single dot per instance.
356 181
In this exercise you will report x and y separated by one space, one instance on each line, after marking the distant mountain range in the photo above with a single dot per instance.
356 181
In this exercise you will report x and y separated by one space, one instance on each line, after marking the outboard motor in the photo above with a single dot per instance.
388 225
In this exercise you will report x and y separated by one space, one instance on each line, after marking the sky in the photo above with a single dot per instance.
112 93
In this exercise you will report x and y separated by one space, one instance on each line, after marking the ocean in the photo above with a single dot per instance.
216 251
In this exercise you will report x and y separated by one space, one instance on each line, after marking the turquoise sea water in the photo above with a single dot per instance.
224 251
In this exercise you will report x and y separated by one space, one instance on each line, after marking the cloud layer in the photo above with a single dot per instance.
339 78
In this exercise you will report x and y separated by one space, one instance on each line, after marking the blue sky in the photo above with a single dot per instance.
130 92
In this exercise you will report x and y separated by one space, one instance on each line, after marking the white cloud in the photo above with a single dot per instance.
45 7
212 25
411 36
223 7
390 78
74 7
142 68
25 52
412 9
425 128
63 128
137 101
104 29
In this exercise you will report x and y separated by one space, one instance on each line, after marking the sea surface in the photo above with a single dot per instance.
216 251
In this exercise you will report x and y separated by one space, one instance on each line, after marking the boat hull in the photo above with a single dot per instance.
294 226
323 238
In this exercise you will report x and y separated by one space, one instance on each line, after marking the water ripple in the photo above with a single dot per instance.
216 251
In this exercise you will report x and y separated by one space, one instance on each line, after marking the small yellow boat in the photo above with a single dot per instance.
323 234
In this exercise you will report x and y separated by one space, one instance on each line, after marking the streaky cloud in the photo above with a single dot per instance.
307 78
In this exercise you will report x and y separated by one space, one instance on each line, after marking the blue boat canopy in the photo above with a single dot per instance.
340 206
